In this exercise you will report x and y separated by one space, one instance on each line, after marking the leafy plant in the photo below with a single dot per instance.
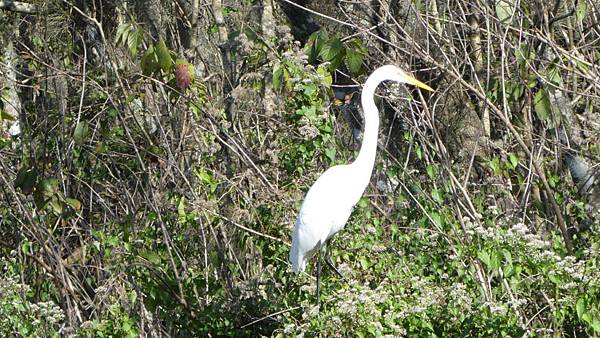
20 315
321 47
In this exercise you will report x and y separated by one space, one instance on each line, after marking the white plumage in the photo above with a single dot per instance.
329 202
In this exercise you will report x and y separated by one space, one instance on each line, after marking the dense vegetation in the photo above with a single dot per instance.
153 156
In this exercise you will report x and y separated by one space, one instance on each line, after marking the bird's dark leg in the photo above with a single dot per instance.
319 277
328 259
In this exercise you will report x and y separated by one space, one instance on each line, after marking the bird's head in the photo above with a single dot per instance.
393 73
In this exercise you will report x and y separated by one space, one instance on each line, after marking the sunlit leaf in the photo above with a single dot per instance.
504 10
580 307
151 256
181 208
123 32
73 203
330 153
581 10
436 194
514 160
133 41
596 324
484 257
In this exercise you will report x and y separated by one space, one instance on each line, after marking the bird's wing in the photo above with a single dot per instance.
329 202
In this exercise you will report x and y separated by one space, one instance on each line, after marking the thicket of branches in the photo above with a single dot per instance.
153 157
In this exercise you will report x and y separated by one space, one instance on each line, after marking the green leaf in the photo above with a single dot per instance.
431 171
495 165
151 256
364 264
581 10
310 89
163 55
523 54
330 153
495 261
555 279
327 79
123 32
149 62
48 187
484 257
82 131
25 246
133 41
596 325
331 49
507 257
181 208
504 10
315 44
552 75
6 116
514 160
515 90
436 194
73 203
309 112
586 317
580 307
419 152
57 207
277 76
543 108
354 61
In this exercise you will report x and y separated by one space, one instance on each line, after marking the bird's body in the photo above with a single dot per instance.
329 202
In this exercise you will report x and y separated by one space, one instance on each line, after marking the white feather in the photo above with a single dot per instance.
329 202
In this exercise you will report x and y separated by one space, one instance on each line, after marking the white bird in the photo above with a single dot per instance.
329 202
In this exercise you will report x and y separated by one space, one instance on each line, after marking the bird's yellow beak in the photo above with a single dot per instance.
411 80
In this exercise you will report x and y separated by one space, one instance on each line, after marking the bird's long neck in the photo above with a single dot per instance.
366 157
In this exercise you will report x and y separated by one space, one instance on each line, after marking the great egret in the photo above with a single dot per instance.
329 202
